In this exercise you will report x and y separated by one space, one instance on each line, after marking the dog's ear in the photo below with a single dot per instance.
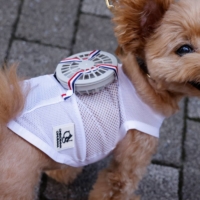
152 13
136 20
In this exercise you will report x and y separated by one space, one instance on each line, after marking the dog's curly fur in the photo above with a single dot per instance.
165 35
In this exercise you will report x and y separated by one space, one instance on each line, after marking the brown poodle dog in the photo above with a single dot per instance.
159 46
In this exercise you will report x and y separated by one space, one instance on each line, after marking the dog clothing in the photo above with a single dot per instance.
84 128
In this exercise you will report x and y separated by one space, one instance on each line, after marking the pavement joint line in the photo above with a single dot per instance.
194 119
181 173
39 42
76 26
14 28
160 163
95 15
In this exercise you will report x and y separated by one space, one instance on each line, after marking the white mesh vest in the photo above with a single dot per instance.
100 121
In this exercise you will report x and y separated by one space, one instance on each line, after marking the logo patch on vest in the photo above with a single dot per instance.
63 137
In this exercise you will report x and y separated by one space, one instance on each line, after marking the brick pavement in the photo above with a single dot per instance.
38 33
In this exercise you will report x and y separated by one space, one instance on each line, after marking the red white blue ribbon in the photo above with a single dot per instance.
93 54
76 76
108 66
72 80
67 95
69 60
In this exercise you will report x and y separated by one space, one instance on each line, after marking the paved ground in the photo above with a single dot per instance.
38 33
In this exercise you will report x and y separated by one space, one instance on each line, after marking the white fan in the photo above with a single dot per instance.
92 78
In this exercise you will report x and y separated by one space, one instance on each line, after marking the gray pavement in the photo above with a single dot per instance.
38 33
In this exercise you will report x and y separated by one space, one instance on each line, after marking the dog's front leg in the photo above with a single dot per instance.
131 157
21 165
65 175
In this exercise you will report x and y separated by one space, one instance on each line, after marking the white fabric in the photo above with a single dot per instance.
101 120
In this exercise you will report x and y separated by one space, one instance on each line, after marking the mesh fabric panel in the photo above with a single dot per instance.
101 120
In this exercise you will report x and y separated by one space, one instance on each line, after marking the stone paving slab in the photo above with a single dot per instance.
94 33
50 22
95 7
194 108
8 15
191 179
35 59
4 41
191 182
8 12
170 141
192 145
80 188
160 183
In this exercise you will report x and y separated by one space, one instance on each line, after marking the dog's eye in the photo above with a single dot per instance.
184 50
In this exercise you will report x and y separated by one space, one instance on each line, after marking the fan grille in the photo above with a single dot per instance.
94 69
69 69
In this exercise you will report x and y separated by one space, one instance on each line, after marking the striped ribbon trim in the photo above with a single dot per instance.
93 54
69 60
108 66
67 95
72 80
75 77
